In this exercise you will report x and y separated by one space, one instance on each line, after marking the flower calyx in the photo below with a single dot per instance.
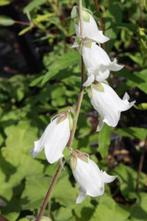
85 13
98 86
78 154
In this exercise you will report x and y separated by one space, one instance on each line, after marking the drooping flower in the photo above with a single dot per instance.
108 104
98 63
88 176
55 138
89 28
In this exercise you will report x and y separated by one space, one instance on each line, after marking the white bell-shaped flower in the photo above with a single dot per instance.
89 177
90 29
108 104
98 63
55 138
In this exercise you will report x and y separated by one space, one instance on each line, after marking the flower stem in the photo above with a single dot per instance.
49 192
80 98
77 112
22 22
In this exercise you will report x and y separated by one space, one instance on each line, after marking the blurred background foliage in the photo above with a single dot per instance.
40 76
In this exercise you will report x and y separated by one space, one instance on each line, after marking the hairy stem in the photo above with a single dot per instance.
77 112
49 192
80 98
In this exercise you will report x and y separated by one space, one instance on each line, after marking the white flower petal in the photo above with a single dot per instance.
109 105
94 57
57 140
89 81
102 75
112 118
90 30
90 179
39 144
126 96
81 197
37 147
98 63
107 178
54 139
101 38
114 66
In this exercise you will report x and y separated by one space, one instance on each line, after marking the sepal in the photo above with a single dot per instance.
73 162
86 16
98 86
70 121
74 12
61 117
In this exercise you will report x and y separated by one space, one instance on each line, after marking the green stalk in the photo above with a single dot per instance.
77 112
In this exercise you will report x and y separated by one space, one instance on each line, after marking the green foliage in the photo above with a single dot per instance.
104 140
33 5
6 21
4 2
63 64
28 101
107 209
132 132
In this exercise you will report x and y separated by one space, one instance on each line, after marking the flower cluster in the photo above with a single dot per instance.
98 66
104 100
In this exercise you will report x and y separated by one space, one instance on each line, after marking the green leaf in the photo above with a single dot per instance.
142 84
139 210
74 212
17 151
108 209
25 219
136 79
6 21
45 218
142 106
127 177
5 189
60 196
84 211
25 30
63 62
1 139
64 214
4 2
12 216
104 139
58 96
35 190
132 132
33 5
137 58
